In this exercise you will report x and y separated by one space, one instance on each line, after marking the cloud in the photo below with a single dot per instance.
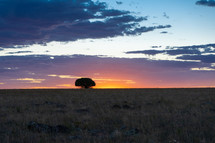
147 52
29 22
143 29
165 15
179 51
119 2
203 69
174 52
210 3
182 51
163 32
64 76
31 80
201 58
19 52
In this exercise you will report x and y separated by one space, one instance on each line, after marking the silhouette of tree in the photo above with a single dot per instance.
85 82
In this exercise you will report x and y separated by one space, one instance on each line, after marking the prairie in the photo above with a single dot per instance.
107 116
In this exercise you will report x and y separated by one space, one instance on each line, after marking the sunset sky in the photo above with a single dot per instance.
119 44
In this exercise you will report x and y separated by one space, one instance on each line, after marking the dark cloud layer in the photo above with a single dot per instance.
145 72
39 63
21 66
210 3
27 22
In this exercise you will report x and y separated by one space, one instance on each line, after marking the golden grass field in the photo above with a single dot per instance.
108 116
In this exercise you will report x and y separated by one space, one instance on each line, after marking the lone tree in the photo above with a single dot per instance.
85 82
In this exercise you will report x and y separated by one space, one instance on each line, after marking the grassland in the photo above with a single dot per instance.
109 116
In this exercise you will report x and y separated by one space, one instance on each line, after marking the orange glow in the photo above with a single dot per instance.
65 85
105 80
114 83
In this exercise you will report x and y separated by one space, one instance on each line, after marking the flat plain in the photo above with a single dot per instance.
107 116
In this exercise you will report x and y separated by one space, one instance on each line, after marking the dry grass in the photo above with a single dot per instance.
109 116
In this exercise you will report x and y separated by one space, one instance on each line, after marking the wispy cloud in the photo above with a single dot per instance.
200 53
165 15
147 52
64 76
30 80
203 69
19 52
202 58
194 49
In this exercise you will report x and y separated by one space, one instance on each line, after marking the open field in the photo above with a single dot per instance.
108 116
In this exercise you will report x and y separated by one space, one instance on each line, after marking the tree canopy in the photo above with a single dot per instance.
85 82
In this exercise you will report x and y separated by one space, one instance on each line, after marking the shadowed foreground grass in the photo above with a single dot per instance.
109 116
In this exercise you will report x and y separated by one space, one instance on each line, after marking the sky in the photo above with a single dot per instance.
117 43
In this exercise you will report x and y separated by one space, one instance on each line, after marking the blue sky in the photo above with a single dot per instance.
191 25
158 35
